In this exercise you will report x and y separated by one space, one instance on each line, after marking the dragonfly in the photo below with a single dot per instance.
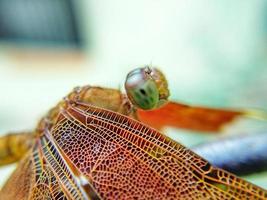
99 143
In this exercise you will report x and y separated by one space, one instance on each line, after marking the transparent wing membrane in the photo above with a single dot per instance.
126 159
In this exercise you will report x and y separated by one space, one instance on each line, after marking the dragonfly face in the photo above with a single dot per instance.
147 88
89 148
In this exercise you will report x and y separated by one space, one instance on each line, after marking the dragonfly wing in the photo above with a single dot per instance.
70 180
33 179
124 159
188 117
18 185
44 183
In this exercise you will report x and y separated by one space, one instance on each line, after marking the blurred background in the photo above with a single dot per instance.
213 54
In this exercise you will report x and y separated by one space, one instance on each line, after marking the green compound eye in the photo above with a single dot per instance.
145 95
142 88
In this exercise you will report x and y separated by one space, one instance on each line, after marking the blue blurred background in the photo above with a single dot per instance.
212 52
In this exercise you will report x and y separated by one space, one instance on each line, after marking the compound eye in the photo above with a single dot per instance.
142 89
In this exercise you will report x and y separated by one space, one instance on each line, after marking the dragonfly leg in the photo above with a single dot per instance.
13 146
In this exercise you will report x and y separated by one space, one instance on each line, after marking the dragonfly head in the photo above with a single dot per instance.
146 88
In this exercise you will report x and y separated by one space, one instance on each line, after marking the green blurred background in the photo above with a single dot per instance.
212 52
